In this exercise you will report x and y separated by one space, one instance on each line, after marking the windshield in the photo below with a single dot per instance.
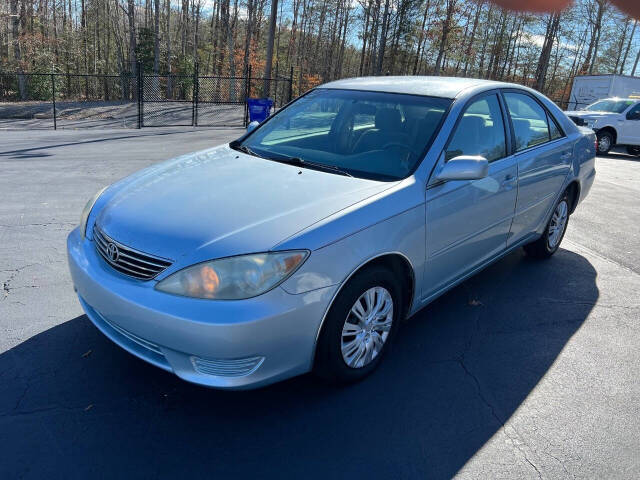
373 135
611 106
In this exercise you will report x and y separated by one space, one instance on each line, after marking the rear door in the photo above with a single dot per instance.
543 154
468 221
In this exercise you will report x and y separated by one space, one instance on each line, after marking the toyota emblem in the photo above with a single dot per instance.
112 252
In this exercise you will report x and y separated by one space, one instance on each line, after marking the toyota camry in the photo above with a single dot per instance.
302 245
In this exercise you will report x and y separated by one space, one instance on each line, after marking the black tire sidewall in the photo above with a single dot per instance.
329 361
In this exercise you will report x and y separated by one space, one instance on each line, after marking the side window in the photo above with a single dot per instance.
634 113
480 131
529 120
554 131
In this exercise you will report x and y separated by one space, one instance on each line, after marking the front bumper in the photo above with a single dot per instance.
225 344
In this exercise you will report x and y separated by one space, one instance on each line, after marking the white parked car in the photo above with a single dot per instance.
616 121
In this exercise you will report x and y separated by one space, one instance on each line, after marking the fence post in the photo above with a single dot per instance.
53 99
194 100
247 94
291 84
140 90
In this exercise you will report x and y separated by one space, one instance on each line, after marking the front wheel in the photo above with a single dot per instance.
359 326
633 150
605 142
550 240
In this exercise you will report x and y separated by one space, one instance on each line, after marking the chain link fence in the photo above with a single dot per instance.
61 100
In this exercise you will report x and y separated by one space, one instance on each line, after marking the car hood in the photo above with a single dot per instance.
221 202
588 114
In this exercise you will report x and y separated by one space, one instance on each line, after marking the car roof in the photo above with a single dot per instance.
619 99
445 87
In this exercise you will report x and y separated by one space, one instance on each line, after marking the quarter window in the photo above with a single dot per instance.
529 120
480 131
554 131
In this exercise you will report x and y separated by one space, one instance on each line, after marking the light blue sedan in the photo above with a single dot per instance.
303 244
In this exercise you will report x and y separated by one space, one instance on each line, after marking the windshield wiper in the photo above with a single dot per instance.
244 149
314 165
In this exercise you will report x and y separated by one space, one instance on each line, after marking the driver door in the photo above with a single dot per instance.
468 221
631 127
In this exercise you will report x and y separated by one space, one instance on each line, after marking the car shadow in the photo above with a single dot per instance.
72 404
620 154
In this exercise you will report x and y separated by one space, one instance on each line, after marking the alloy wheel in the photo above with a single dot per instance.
604 143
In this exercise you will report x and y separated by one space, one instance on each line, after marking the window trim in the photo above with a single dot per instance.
549 115
472 100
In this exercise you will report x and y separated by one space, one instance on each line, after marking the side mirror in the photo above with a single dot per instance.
252 126
464 167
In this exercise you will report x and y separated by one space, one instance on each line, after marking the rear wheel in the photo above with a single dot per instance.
359 326
605 142
633 150
550 240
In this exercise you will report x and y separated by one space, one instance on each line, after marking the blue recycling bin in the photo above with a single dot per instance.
259 109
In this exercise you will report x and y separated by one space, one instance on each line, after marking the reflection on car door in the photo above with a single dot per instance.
544 158
468 221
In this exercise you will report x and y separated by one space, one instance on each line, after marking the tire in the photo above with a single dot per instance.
549 242
605 142
340 327
633 150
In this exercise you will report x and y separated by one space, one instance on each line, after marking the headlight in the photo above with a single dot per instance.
87 210
234 278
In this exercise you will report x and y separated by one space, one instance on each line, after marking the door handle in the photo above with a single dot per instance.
508 180
565 156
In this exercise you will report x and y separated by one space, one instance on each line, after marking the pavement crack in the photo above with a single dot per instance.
57 224
516 440
6 285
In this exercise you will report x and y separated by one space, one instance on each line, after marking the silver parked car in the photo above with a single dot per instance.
303 244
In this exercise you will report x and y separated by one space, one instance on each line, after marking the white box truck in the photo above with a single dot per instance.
588 89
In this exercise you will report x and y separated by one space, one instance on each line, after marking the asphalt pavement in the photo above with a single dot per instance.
528 370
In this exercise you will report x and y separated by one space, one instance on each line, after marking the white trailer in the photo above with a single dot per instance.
588 89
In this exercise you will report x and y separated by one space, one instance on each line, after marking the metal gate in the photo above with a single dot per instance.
71 100
204 101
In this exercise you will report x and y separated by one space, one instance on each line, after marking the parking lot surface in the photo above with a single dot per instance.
528 370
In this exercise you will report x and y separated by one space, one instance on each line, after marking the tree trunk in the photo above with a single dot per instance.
545 55
446 27
17 56
626 52
273 18
156 38
383 38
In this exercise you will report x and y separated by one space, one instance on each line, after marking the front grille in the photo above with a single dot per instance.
219 367
125 259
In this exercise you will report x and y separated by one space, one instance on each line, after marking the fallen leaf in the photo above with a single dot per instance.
88 407
475 303
86 354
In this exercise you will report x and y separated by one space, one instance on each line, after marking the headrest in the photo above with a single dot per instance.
388 119
428 124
